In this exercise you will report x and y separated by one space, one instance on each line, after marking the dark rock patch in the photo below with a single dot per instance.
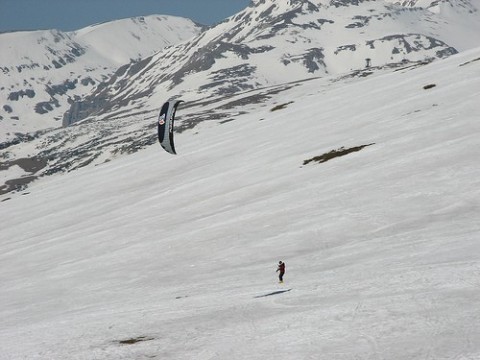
335 153
136 340
429 86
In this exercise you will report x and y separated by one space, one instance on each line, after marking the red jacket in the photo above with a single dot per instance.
281 267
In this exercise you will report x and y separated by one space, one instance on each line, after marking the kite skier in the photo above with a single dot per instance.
281 269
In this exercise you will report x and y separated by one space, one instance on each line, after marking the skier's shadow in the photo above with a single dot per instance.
272 293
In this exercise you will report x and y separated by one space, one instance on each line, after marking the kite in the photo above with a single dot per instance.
165 125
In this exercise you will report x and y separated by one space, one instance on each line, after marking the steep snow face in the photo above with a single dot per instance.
453 20
122 41
41 72
271 42
154 256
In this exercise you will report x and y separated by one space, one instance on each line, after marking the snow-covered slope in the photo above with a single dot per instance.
41 72
154 256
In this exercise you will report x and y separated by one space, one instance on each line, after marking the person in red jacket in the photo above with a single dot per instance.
281 269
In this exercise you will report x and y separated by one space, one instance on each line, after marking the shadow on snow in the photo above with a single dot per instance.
273 293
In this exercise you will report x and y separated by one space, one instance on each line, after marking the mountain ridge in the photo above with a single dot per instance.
41 72
321 39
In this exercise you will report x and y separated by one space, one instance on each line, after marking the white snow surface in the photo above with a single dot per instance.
178 253
15 171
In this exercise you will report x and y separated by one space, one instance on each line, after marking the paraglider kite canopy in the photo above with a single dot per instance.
165 125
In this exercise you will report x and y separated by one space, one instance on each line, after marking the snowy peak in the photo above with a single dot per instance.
47 49
271 42
132 39
41 72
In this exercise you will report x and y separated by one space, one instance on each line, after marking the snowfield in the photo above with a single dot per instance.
153 256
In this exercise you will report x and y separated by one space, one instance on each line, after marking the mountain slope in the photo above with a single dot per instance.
159 256
42 72
225 71
272 42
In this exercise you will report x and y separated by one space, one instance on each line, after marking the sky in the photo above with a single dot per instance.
68 15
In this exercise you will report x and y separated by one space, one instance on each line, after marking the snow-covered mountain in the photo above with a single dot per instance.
368 188
42 72
229 69
361 175
272 42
